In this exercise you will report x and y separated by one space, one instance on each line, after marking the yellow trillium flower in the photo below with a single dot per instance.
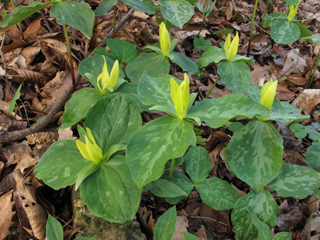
165 40
231 49
268 92
90 149
180 96
108 81
293 10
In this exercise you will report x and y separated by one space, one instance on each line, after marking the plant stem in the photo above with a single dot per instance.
310 80
70 57
213 87
173 160
266 10
251 28
114 20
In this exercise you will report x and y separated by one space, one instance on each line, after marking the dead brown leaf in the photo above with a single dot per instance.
307 100
202 233
6 213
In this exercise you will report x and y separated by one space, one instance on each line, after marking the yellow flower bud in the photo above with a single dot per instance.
165 41
180 96
293 11
108 81
231 49
90 149
268 92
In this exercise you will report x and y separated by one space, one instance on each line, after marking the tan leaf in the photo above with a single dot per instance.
4 107
313 204
294 63
202 233
181 226
6 213
32 77
307 100
67 133
38 106
30 53
51 86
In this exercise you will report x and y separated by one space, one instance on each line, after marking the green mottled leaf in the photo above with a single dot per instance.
111 193
185 63
216 112
312 157
60 165
112 120
314 135
312 39
75 14
292 2
122 51
202 44
212 55
142 6
54 230
22 12
236 75
184 183
253 91
189 236
105 6
151 146
263 228
270 18
282 236
262 205
298 130
217 193
166 225
286 113
78 106
165 188
153 64
257 160
284 31
295 181
85 172
178 12
197 164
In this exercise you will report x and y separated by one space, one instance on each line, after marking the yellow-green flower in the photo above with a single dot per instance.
108 81
293 10
268 92
231 49
180 96
165 41
90 149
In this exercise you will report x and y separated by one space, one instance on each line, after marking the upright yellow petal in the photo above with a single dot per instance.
293 11
268 92
114 74
104 76
234 47
94 151
165 40
83 149
227 45
185 94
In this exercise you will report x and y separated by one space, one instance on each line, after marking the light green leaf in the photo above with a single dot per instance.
312 39
236 75
317 192
105 6
201 44
262 205
85 172
253 91
75 14
153 64
14 99
22 12
304 31
165 188
197 164
216 112
263 228
217 193
212 55
189 236
257 160
112 120
78 106
111 193
284 31
270 18
142 6
122 51
295 181
54 230
178 12
151 146
60 165
282 236
312 157
166 225
314 135
183 182
185 63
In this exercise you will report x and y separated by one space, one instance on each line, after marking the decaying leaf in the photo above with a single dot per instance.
181 226
307 100
6 213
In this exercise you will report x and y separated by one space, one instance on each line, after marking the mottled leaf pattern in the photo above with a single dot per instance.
185 63
178 12
166 225
312 156
104 7
268 19
215 112
295 181
284 31
197 164
254 154
151 146
263 228
112 120
282 236
111 193
217 193
121 50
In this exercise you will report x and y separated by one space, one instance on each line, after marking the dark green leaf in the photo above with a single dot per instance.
304 31
105 6
263 228
166 225
122 51
212 55
165 188
201 44
189 236
282 236
312 39
224 31
185 63
142 6
268 19
292 2
14 99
